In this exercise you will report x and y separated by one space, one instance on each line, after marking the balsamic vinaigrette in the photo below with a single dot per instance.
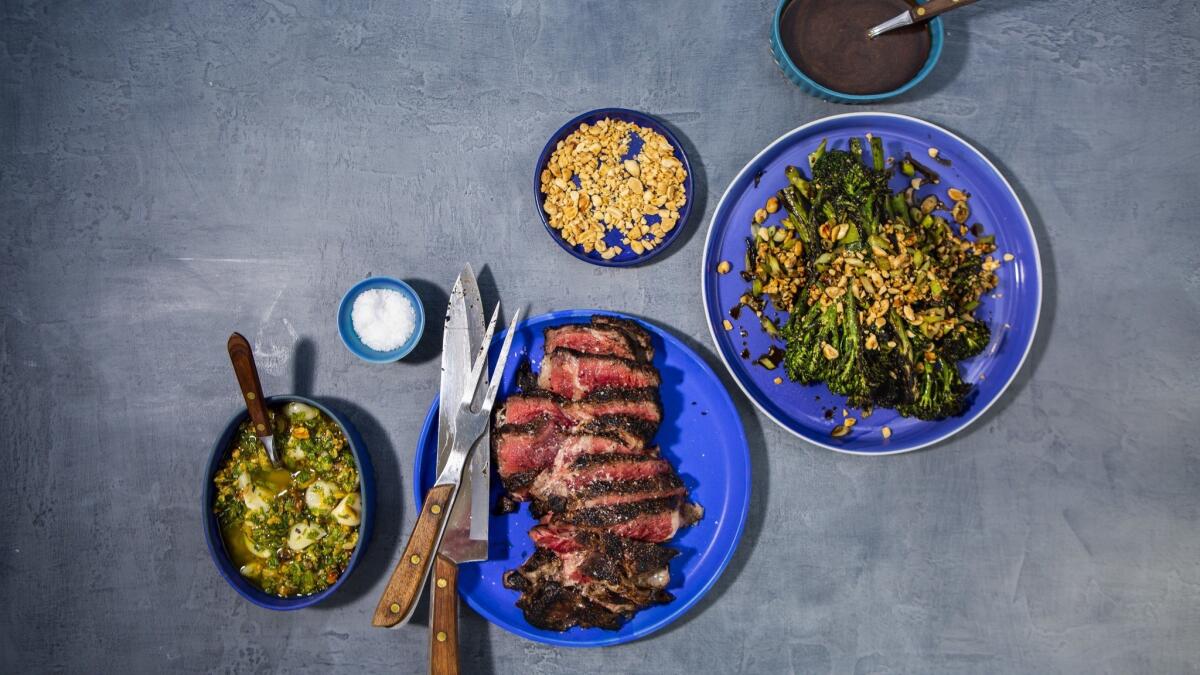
827 40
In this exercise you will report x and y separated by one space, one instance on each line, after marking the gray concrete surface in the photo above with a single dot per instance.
171 171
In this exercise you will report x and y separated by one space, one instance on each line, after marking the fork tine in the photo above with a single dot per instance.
501 362
480 365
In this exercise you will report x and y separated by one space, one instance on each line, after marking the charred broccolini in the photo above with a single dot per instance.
884 287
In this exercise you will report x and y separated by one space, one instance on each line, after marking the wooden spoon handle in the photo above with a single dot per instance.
443 620
404 588
934 8
242 357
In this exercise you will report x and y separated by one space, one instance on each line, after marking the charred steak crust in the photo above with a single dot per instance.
631 329
594 460
549 604
538 565
660 483
610 394
519 482
604 516
618 424
552 606
590 578
606 394
668 484
601 395
616 429
618 559
526 378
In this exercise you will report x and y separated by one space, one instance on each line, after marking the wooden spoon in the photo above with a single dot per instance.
242 357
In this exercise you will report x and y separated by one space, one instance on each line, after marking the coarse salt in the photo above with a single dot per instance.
383 319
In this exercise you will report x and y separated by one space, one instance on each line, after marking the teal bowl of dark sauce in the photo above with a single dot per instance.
822 46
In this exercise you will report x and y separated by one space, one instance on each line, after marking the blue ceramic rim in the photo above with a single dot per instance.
212 533
642 119
784 60
968 419
743 507
346 326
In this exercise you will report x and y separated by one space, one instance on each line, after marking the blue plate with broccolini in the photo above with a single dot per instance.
872 282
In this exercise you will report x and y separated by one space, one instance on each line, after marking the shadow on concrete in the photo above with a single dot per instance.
435 299
1045 328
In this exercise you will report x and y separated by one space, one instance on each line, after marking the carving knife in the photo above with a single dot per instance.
466 537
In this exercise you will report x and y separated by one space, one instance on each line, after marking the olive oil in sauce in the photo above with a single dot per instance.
277 482
827 40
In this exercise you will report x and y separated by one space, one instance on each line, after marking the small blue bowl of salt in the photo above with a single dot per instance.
381 319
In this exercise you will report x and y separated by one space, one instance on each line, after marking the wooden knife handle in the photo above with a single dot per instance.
404 588
242 357
443 620
934 8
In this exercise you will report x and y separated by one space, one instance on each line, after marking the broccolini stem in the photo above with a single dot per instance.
856 148
901 334
877 158
797 180
900 208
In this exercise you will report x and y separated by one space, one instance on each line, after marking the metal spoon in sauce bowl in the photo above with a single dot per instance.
917 14
242 357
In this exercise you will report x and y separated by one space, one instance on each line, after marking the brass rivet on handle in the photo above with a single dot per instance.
416 559
441 636
920 11
435 509
441 583
395 608
261 427
249 396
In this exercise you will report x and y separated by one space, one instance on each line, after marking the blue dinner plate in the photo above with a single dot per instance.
1011 311
701 435
628 257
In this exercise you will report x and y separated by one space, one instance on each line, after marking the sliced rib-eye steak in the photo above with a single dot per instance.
641 405
576 444
604 480
524 451
574 375
603 340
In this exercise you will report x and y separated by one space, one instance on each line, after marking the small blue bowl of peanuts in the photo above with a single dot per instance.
380 319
